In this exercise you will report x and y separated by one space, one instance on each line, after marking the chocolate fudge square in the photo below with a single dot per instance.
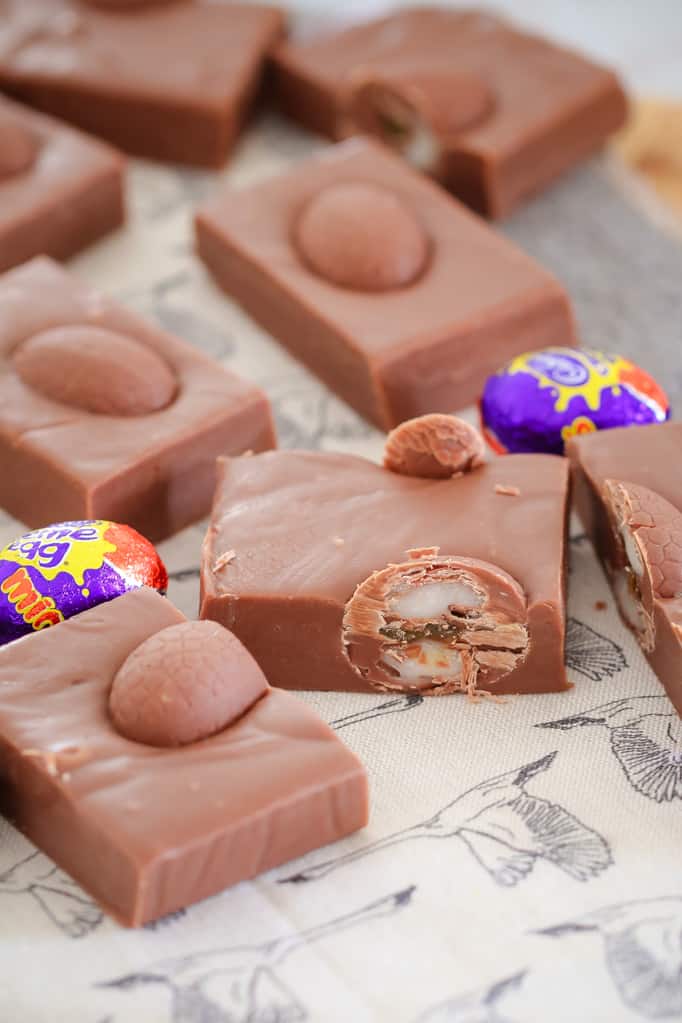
147 829
510 111
103 415
168 81
629 495
320 542
60 191
400 299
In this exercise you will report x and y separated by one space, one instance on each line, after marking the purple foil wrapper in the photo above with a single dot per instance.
540 399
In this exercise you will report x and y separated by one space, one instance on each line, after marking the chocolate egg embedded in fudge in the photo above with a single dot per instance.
419 113
541 399
340 574
629 496
458 299
514 110
51 574
19 146
106 416
434 446
436 625
647 553
95 369
184 684
361 236
148 829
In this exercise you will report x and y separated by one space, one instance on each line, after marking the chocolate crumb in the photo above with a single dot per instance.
224 560
507 490
49 758
422 552
72 756
338 540
600 605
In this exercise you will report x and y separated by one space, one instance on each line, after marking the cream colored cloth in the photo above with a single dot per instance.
522 862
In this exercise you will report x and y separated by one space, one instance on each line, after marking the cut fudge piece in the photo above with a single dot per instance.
629 495
345 575
401 300
103 415
148 828
171 81
59 190
493 112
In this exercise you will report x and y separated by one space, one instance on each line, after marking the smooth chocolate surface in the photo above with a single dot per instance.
539 108
307 529
113 418
147 830
647 456
59 189
172 81
423 343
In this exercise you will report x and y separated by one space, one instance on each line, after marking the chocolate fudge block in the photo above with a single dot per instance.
59 190
103 415
319 543
629 495
493 112
171 81
147 829
401 300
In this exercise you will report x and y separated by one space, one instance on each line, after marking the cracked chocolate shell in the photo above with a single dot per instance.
436 625
648 560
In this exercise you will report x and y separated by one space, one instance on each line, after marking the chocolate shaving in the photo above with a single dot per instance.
223 560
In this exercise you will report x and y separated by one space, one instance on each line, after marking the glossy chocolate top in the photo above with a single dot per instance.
317 525
40 155
184 683
531 79
162 50
126 809
647 455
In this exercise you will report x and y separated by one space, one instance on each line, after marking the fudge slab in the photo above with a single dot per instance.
59 189
144 829
305 529
550 107
63 461
171 81
392 354
648 457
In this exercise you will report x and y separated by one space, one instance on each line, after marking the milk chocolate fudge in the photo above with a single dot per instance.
105 416
169 81
629 494
494 113
337 573
401 300
59 190
150 823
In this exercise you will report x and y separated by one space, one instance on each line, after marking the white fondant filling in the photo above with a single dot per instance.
432 600
427 659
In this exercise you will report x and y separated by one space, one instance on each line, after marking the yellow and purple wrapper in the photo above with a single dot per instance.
56 572
541 398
